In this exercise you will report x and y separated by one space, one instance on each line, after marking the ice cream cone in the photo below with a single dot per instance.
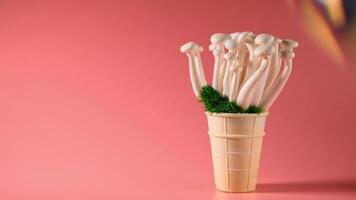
236 143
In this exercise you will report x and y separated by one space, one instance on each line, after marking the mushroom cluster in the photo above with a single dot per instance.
249 69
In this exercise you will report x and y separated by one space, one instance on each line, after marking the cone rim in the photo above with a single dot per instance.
237 114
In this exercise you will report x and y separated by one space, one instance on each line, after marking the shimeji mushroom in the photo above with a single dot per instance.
254 62
231 45
199 66
245 93
282 79
264 51
243 52
234 36
275 65
217 47
263 38
192 50
229 57
289 44
249 73
272 92
242 38
236 71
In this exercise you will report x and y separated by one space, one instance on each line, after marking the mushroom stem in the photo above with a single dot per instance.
276 88
192 49
245 68
234 83
194 76
217 47
275 66
200 70
222 71
257 94
227 78
264 51
243 39
231 45
218 54
252 63
244 96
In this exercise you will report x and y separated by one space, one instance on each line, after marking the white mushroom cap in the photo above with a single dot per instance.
218 51
264 50
230 44
244 36
288 54
190 47
212 47
187 47
289 44
263 38
218 38
199 48
234 36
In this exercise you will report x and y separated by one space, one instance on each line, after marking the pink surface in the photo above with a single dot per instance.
96 103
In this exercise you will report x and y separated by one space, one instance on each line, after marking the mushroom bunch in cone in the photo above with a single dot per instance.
249 69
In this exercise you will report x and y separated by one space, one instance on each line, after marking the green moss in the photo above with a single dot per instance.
214 102
253 109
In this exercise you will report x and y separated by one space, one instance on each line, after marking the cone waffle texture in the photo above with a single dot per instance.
236 143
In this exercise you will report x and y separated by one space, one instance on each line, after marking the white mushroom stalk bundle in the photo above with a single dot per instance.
249 69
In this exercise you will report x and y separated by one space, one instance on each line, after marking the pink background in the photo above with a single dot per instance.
96 103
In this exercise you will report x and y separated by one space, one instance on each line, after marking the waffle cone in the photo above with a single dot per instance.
236 143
